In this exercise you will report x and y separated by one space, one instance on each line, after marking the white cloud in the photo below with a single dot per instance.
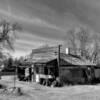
34 20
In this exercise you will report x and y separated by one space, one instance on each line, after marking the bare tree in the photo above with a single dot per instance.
96 49
6 31
71 38
83 37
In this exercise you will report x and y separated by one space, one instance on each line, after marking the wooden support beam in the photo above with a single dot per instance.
59 47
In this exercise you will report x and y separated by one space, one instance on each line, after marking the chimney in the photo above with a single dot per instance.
67 51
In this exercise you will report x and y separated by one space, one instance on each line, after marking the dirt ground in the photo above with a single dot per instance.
33 91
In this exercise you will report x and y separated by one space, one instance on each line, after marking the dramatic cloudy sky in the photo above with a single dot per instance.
46 21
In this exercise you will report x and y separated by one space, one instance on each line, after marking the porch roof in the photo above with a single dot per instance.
44 60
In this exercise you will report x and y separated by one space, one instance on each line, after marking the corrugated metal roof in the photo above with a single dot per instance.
45 60
46 54
41 59
44 50
75 60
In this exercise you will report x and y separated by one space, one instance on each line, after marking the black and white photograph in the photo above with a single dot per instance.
49 49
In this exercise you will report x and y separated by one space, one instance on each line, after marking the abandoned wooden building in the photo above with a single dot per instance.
71 69
24 71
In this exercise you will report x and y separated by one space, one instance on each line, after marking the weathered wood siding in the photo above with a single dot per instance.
73 75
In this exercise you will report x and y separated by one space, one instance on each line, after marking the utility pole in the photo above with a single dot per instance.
15 76
59 47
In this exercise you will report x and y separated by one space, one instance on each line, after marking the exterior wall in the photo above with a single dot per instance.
97 73
71 75
21 73
45 71
24 73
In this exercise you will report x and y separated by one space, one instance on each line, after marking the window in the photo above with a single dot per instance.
37 70
45 70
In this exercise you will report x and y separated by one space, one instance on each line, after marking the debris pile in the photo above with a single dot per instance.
14 91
